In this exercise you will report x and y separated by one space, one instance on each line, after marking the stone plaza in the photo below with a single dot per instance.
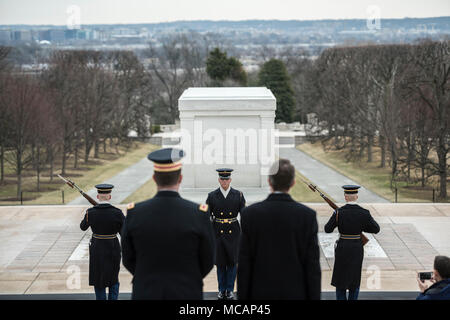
43 250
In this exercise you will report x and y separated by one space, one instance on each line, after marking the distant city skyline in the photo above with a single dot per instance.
64 12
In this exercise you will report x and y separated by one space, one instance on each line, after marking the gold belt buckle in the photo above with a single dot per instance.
225 220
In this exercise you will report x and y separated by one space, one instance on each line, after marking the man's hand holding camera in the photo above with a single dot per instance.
425 280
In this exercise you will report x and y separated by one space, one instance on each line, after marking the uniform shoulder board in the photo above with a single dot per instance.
203 207
130 206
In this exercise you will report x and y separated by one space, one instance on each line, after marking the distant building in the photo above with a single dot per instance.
57 35
5 35
22 35
70 34
44 35
81 34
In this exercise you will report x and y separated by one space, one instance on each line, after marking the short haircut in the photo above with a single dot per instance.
442 265
166 179
283 178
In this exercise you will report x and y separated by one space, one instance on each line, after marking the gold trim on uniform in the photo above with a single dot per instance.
350 236
167 167
104 236
225 220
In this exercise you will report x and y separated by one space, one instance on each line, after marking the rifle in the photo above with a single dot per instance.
73 185
364 239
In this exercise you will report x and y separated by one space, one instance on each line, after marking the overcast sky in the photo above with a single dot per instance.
58 12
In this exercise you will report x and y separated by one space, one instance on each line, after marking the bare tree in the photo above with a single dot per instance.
5 68
389 62
61 87
430 80
133 85
177 64
23 103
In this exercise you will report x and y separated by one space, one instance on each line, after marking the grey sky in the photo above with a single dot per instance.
147 11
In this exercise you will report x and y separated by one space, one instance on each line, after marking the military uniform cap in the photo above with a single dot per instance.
351 189
166 159
224 173
104 188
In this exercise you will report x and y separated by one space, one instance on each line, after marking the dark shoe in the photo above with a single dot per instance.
230 295
221 296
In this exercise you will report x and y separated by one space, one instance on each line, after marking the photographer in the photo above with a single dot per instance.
440 281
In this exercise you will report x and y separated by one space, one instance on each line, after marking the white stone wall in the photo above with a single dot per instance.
226 127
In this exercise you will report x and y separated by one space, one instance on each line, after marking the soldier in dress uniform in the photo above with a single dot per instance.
105 221
225 204
167 241
351 220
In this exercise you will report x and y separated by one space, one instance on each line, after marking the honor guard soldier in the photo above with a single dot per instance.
279 251
351 220
225 203
167 241
105 221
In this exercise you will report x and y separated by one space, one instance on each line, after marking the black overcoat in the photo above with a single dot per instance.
349 254
168 246
227 234
279 251
104 254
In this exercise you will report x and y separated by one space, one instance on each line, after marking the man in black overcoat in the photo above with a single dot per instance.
351 220
225 203
167 241
279 250
105 221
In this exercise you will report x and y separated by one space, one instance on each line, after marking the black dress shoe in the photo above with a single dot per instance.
229 295
221 296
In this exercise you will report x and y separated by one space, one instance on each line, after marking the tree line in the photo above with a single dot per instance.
81 101
394 96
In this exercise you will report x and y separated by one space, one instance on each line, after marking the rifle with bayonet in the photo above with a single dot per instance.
84 194
364 239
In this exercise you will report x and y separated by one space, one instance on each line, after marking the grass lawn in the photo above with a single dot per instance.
369 175
302 193
146 191
86 176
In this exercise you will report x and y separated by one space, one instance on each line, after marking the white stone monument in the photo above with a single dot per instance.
227 127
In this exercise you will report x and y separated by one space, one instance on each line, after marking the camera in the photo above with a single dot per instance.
425 275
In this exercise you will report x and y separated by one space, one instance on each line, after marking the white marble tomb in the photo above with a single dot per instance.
227 127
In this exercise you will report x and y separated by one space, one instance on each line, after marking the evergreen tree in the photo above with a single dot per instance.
220 68
274 76
237 72
217 66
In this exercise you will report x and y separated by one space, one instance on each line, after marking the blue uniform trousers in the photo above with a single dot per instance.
113 292
226 277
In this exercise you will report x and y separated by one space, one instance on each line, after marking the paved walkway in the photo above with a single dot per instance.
125 183
325 178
